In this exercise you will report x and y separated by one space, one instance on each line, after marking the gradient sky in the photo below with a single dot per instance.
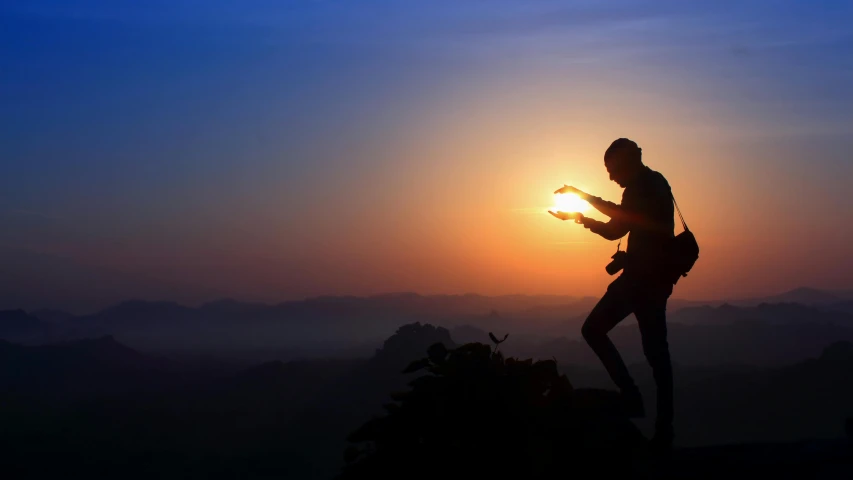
269 150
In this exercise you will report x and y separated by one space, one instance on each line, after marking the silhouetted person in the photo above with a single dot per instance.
646 215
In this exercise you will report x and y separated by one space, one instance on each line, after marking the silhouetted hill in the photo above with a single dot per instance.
802 295
727 314
353 397
469 334
777 313
17 325
739 343
75 370
56 317
807 400
805 296
106 411
768 334
275 392
845 306
227 307
306 328
352 326
139 313
361 390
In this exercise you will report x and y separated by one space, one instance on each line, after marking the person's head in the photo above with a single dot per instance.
623 160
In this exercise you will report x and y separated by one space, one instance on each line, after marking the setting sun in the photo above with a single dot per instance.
569 202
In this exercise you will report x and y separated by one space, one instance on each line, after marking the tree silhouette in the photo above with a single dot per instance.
476 413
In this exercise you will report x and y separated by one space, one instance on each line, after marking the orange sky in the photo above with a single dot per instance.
318 150
454 200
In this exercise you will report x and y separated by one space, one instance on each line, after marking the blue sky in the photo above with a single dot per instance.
160 137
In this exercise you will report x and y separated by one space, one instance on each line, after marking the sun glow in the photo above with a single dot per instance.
569 202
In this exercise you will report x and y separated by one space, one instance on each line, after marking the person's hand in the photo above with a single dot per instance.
576 216
570 189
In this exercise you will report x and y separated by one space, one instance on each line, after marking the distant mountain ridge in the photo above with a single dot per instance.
324 326
77 369
776 313
19 326
329 321
469 303
802 295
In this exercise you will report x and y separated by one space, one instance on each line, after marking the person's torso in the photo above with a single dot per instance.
648 198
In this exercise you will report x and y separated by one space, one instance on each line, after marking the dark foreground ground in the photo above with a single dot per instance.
827 459
820 459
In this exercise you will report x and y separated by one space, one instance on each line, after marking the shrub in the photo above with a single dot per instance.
475 413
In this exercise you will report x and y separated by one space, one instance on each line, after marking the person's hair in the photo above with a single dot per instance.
628 149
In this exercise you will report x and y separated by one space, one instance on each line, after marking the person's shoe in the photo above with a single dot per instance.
632 402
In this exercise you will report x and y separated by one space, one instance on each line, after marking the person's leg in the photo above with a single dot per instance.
610 310
651 317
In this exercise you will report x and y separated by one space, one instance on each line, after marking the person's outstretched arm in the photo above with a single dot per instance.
612 230
610 209
623 218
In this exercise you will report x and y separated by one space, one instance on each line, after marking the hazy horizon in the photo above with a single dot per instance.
843 295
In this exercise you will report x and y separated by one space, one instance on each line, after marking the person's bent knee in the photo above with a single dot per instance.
591 333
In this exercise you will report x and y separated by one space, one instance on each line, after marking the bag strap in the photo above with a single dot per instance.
679 213
680 216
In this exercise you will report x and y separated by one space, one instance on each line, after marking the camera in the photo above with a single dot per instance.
618 263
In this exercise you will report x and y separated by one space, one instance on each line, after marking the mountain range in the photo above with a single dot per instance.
354 326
